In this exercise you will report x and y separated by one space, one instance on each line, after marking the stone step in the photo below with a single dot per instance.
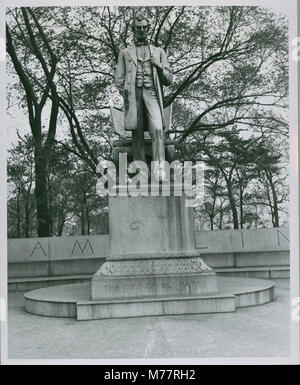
269 272
170 276
74 301
24 284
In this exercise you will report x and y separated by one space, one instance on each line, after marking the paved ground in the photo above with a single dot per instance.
261 331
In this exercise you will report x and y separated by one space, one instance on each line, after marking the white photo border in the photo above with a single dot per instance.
288 7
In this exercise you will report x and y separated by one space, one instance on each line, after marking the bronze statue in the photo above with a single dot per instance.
141 71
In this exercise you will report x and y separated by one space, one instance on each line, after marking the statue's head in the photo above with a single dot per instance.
140 27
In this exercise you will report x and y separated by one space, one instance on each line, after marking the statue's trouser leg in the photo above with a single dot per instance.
138 146
155 125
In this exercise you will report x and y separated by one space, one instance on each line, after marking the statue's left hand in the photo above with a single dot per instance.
155 62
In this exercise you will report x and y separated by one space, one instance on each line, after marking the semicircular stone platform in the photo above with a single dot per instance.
74 301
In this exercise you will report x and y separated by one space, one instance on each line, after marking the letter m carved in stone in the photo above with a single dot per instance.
82 249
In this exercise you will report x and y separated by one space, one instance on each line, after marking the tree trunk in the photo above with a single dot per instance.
61 227
221 217
276 216
18 216
256 215
241 209
50 207
221 220
87 215
27 219
61 222
232 206
88 223
82 220
211 217
40 192
274 208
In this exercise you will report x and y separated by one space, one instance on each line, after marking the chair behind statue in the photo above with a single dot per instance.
124 144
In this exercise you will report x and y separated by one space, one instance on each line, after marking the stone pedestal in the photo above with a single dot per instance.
152 252
150 226
153 278
153 269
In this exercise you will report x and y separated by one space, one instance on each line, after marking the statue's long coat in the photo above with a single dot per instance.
125 78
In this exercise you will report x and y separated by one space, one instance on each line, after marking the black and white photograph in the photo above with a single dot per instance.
149 184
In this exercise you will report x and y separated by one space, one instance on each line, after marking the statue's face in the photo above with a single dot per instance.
141 29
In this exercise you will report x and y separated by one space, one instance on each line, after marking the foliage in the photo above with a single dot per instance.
229 97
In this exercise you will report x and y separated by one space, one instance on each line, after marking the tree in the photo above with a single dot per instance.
228 155
235 166
271 173
231 71
213 205
73 202
36 100
21 204
222 70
